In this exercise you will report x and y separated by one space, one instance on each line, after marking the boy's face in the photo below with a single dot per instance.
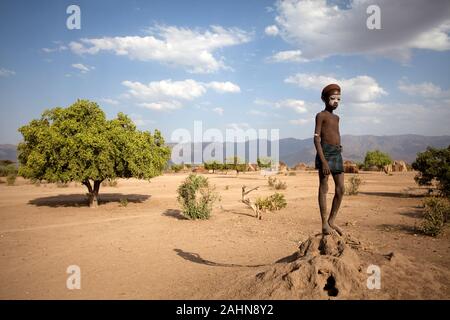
334 100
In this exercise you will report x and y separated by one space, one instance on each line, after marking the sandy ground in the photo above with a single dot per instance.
147 250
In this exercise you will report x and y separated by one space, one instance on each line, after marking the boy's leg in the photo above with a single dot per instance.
338 195
322 197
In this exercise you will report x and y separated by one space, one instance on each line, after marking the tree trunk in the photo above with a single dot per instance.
93 192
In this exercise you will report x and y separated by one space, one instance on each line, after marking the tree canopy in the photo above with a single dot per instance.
434 165
78 143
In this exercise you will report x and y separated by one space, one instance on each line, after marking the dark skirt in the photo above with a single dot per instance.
333 155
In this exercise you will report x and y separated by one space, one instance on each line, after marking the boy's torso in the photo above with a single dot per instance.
330 129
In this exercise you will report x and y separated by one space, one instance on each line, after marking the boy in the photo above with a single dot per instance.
327 141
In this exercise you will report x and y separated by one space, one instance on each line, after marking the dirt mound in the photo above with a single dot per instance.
335 267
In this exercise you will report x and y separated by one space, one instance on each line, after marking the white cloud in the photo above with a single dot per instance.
254 112
288 56
58 48
271 30
424 89
186 89
300 121
321 30
296 105
192 49
262 102
357 89
223 87
161 105
6 73
165 94
139 121
110 101
238 125
82 67
218 110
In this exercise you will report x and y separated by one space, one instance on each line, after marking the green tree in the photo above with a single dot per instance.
264 162
213 165
78 143
235 163
434 165
376 158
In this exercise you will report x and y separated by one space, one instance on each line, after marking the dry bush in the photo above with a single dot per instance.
196 196
436 215
271 203
277 184
352 188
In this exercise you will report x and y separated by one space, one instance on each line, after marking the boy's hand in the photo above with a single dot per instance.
325 169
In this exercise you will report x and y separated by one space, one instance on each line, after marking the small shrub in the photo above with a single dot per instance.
272 181
277 184
271 203
177 167
123 202
436 215
196 197
8 169
292 173
352 188
227 187
11 179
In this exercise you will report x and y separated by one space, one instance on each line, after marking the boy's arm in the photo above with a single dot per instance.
317 135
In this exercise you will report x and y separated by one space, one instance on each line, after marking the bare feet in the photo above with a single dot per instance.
335 227
326 229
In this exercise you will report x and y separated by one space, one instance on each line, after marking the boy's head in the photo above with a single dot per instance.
331 95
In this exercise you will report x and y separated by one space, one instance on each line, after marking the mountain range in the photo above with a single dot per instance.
292 151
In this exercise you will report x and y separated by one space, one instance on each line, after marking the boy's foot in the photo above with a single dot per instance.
338 230
326 229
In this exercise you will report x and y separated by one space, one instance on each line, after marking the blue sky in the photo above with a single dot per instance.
231 64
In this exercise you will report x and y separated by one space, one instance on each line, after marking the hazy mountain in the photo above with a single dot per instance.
399 147
8 152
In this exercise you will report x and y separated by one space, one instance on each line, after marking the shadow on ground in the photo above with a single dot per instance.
80 200
392 194
174 213
195 257
399 227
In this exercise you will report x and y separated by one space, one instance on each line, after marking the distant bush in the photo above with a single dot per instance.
60 184
213 165
11 179
264 162
271 203
7 169
176 167
376 158
196 197
352 188
436 215
292 173
277 184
